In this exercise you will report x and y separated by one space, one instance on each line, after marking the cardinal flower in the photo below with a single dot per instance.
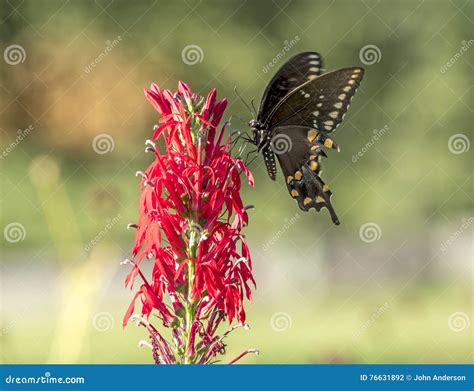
189 226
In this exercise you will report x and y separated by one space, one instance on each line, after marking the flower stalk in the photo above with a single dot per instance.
193 242
190 221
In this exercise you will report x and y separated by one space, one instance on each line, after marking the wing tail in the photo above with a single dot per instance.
311 192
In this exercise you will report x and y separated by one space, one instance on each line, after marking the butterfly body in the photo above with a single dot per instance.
260 134
299 108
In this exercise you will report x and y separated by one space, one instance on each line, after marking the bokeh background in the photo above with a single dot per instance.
392 284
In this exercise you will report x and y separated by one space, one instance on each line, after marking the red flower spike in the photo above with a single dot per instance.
190 220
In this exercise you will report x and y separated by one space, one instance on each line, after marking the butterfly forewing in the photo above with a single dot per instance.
296 71
320 103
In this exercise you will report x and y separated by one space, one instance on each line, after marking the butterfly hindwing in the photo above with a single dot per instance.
320 103
296 71
299 151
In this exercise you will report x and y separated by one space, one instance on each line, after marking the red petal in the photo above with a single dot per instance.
130 310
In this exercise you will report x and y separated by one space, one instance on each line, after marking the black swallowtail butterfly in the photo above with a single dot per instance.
299 108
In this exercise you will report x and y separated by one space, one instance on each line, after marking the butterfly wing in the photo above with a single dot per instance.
299 150
296 71
320 103
298 110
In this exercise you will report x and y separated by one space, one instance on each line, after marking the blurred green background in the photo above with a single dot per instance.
393 283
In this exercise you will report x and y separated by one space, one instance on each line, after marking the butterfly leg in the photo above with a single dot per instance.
246 162
237 134
240 136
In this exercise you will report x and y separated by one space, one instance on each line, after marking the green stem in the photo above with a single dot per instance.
192 251
194 238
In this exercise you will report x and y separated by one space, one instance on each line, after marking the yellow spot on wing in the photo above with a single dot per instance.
328 143
312 135
307 201
325 188
294 193
319 199
313 165
298 175
289 179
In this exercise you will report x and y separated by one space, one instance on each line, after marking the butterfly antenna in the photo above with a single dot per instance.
254 108
244 102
